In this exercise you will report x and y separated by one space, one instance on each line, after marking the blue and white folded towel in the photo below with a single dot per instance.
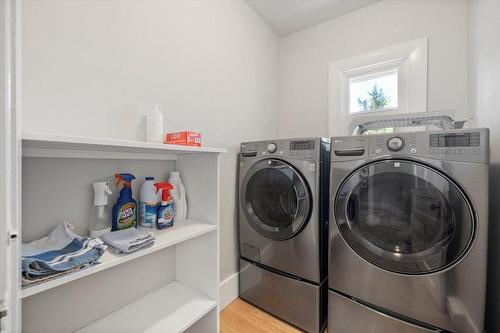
59 252
128 240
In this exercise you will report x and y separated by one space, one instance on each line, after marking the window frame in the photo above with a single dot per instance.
410 59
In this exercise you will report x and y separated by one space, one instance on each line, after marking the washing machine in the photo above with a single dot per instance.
283 229
408 237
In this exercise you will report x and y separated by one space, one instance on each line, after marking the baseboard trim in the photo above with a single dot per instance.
229 290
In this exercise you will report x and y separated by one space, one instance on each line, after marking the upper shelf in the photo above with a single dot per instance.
64 146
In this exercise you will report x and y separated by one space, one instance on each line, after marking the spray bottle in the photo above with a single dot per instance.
100 221
125 208
166 211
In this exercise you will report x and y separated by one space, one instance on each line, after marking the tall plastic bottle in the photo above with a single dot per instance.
178 193
125 208
100 220
149 202
154 125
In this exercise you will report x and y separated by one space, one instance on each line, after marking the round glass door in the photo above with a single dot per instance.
275 199
404 217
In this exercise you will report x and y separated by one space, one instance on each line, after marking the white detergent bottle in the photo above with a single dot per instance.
149 202
178 193
100 221
154 125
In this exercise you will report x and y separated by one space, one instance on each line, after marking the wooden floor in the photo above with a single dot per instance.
241 317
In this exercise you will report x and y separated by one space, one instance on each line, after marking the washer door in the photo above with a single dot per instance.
275 199
405 217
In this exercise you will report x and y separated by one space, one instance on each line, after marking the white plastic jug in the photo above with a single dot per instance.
179 195
154 125
149 202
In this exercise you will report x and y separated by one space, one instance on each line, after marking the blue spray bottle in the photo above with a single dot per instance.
166 211
125 208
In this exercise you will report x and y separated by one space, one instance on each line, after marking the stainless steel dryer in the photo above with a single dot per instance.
283 228
407 247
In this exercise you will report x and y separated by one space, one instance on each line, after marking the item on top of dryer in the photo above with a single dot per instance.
166 211
412 217
437 119
149 202
128 240
178 193
100 220
125 208
154 125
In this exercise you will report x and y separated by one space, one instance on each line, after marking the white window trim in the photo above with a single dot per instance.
410 59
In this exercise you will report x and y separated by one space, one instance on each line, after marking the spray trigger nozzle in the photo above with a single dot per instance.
101 192
125 178
107 190
165 193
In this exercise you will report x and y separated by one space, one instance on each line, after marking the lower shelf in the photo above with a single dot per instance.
180 232
170 309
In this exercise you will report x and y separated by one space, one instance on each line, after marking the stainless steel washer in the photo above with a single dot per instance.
408 237
283 228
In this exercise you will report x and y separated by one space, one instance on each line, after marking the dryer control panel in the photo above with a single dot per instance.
303 149
465 145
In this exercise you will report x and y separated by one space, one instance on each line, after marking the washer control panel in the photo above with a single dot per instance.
450 140
467 145
304 149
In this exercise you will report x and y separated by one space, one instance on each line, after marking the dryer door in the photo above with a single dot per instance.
275 199
405 217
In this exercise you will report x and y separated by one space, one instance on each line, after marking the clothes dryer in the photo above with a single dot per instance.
408 237
283 228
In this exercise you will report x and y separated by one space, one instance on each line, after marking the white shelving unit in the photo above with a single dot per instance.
169 287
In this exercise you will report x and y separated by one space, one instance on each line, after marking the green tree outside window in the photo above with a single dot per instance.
377 100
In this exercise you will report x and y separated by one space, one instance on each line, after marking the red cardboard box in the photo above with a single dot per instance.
184 138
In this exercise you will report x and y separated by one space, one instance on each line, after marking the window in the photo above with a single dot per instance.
375 92
384 83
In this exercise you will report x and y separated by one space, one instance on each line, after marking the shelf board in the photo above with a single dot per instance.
170 309
181 231
64 146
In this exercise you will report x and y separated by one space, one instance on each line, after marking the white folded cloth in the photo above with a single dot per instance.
128 240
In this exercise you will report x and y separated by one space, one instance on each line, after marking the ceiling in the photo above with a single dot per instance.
288 16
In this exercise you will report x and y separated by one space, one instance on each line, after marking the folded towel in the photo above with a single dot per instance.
59 252
128 240
42 278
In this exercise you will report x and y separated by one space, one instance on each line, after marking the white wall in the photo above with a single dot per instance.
93 68
305 55
484 75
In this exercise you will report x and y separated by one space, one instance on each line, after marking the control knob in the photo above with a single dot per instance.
395 144
272 147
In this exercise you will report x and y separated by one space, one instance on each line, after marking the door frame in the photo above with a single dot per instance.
10 162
